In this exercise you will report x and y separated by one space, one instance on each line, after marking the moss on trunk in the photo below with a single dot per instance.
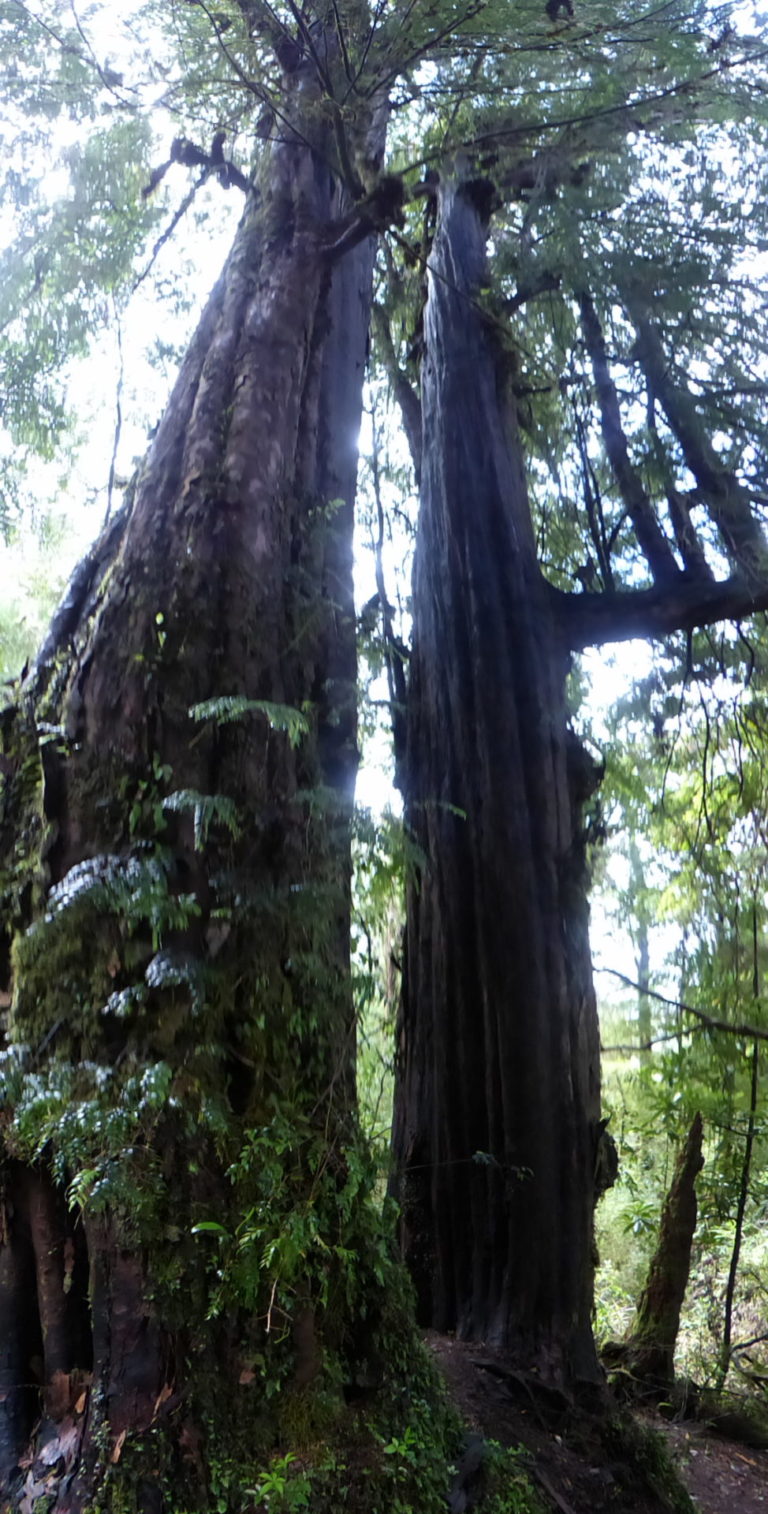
195 1269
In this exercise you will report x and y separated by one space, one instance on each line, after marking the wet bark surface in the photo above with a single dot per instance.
498 1096
228 575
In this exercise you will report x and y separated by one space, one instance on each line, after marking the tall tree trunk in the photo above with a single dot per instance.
174 926
745 1174
639 927
741 1209
498 1094
650 1350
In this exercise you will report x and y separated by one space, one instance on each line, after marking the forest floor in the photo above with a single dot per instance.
722 1476
576 1472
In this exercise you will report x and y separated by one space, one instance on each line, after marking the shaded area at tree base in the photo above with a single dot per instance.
579 1462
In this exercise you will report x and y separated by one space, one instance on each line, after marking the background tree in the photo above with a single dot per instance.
649 1352
497 1125
702 765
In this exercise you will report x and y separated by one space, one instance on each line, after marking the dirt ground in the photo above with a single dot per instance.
722 1476
586 1474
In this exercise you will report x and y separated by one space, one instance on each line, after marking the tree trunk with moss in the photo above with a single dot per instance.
649 1352
186 1227
497 1119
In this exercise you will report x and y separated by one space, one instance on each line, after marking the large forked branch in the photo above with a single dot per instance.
683 601
592 620
678 504
726 499
637 503
688 544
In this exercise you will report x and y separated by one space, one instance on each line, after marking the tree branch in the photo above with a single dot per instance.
166 235
380 209
405 395
726 499
639 507
591 620
688 544
709 1022
629 1048
626 116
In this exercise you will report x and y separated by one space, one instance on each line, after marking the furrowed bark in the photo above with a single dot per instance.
229 575
741 1209
497 1100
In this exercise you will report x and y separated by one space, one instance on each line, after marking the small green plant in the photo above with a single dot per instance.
508 1487
405 1447
415 1471
145 815
282 1490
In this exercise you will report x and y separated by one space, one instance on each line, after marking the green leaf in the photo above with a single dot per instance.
229 707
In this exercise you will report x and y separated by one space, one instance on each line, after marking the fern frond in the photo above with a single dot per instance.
205 808
229 707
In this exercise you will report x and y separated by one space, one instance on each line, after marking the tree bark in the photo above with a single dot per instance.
592 620
140 941
497 1099
650 1350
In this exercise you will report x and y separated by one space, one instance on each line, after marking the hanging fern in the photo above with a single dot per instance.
229 707
206 809
136 889
172 968
125 1001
